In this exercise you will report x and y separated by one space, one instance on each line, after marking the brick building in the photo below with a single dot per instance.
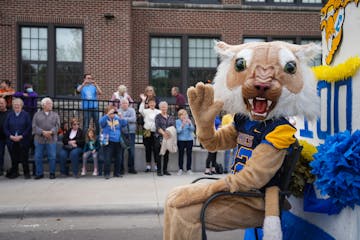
164 43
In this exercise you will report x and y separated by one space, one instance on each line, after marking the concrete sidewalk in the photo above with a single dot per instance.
141 193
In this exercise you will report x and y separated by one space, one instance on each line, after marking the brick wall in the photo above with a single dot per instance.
117 51
107 43
231 25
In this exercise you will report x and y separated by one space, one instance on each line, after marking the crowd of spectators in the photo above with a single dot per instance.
24 127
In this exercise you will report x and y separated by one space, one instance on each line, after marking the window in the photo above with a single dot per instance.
202 61
182 62
165 64
34 49
56 70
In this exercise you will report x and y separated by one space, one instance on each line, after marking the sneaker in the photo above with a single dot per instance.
83 172
189 172
180 172
95 173
52 176
155 169
148 168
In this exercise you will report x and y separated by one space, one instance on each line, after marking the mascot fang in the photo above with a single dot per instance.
263 83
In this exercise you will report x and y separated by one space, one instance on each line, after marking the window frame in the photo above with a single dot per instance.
184 60
51 52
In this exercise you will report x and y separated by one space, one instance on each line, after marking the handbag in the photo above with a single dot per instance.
147 133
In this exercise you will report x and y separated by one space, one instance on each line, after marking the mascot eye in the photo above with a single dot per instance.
240 64
290 67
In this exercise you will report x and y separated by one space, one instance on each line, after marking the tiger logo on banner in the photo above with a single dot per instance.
332 20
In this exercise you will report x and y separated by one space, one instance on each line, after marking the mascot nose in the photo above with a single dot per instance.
263 76
262 87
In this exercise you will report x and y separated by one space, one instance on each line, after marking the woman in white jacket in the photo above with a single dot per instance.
149 129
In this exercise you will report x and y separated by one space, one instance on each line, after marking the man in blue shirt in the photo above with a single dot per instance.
89 91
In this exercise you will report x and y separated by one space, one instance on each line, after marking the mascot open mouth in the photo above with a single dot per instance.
259 106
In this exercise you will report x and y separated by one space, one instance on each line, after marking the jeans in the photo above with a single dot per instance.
131 152
182 145
94 114
113 150
50 149
2 153
74 155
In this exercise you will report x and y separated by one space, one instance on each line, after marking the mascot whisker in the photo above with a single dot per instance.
262 84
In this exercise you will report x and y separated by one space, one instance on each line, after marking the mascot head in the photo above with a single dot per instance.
267 80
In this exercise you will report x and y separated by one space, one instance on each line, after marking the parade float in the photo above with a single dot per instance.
327 183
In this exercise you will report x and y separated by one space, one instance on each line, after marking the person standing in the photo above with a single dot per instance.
111 125
120 94
180 99
185 134
149 115
45 126
17 129
74 142
129 114
211 158
162 121
3 113
148 94
89 91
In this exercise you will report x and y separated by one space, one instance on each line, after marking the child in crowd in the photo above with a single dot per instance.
91 148
64 127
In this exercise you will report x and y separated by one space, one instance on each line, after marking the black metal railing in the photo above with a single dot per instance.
69 108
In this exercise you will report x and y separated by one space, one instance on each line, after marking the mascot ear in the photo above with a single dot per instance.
223 50
308 51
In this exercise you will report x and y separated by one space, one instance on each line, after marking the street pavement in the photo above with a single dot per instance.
52 206
90 195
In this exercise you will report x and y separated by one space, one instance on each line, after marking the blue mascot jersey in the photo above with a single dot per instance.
277 132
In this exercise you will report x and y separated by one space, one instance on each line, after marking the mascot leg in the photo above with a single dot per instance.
182 223
223 214
272 224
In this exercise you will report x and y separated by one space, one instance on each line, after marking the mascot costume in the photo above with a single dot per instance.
263 83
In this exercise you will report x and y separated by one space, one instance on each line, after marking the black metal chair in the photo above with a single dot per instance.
286 171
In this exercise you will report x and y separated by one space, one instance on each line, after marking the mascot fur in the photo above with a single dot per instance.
263 83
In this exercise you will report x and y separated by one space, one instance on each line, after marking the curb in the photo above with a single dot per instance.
95 210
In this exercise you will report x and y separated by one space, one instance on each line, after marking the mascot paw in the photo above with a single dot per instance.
202 104
272 228
194 193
